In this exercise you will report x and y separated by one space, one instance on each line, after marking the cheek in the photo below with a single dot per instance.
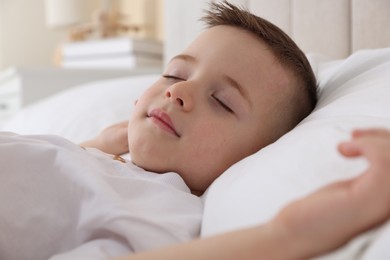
211 139
146 98
225 144
155 90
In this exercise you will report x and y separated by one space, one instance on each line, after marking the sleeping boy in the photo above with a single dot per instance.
236 88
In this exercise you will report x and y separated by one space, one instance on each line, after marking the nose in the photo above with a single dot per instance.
181 94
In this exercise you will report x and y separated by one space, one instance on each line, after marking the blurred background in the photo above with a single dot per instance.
32 32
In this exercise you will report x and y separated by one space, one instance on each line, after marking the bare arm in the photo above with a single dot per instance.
314 225
254 243
112 140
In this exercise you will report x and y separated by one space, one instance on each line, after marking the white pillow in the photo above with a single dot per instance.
81 112
354 93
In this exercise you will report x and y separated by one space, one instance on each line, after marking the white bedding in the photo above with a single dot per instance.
59 201
355 92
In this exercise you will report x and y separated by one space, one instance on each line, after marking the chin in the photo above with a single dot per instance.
146 163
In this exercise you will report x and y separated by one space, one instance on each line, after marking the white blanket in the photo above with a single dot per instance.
60 201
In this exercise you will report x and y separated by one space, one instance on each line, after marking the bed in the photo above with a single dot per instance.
349 49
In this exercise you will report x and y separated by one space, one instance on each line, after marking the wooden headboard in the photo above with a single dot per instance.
335 28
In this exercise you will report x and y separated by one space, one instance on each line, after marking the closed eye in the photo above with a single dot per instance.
223 105
167 76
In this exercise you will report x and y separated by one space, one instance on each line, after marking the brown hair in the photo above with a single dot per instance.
282 46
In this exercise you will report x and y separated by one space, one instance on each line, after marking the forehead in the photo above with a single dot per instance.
242 56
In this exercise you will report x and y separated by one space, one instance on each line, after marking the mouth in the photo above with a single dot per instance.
163 121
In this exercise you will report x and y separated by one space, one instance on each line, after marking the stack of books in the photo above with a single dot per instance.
113 53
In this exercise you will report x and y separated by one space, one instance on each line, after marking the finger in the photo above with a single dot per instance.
350 149
363 141
370 132
124 124
375 149
123 133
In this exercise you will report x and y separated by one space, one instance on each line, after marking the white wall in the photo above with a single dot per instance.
24 38
1 29
180 15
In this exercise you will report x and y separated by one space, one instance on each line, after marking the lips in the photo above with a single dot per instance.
163 121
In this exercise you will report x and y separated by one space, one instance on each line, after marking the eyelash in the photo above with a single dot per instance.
223 105
171 77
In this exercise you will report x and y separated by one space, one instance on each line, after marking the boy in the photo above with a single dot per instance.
226 96
237 88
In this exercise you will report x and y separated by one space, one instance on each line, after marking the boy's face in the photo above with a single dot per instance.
216 103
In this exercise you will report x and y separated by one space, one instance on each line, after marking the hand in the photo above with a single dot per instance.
333 215
112 140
